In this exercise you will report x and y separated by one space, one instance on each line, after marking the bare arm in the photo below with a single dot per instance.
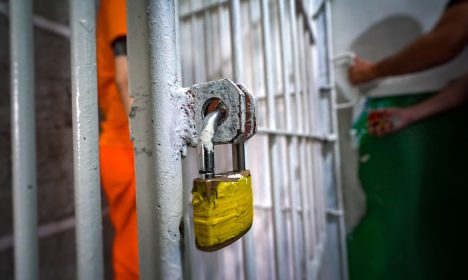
443 43
119 46
453 96
121 79
393 119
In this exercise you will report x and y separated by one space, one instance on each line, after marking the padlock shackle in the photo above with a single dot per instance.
205 144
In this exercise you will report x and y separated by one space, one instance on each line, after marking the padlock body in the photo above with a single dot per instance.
222 209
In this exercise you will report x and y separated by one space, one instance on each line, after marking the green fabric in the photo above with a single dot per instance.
416 184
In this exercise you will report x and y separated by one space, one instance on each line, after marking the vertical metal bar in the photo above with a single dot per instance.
285 58
291 144
311 146
23 133
221 41
302 70
317 146
238 151
295 50
177 28
197 41
194 39
85 140
274 164
301 127
336 148
209 49
308 188
153 80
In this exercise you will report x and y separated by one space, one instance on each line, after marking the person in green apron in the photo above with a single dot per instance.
415 179
442 44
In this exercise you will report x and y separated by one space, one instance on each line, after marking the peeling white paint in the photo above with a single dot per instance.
183 120
206 137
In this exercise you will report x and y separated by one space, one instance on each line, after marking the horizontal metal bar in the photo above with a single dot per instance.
326 88
202 10
315 137
270 207
334 212
43 23
47 230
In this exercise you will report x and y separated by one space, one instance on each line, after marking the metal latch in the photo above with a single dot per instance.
222 203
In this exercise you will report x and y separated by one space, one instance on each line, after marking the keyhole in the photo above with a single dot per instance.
213 104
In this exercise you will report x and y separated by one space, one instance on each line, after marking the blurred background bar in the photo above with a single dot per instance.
23 132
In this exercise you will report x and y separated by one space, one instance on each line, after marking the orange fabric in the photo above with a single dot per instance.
118 181
115 146
111 24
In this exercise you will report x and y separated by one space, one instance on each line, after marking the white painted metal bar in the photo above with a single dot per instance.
198 11
295 51
141 123
320 197
305 206
307 19
195 40
317 148
85 140
337 156
301 122
314 137
285 58
238 151
154 82
309 185
291 143
312 175
43 23
302 73
209 48
23 132
274 164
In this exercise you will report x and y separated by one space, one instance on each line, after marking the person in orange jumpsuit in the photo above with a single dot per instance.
115 146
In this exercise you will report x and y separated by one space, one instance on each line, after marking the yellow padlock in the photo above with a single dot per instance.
222 209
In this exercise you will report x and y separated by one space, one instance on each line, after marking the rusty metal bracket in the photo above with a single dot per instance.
239 122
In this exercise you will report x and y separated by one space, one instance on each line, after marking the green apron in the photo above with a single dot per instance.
416 184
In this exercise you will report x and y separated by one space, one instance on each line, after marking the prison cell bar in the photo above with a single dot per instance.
336 147
23 140
291 143
153 50
85 140
296 33
307 186
238 151
273 144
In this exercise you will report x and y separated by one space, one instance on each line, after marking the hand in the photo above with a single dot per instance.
362 71
386 121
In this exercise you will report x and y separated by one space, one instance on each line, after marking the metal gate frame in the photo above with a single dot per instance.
155 79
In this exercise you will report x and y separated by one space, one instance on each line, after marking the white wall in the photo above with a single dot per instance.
381 28
375 29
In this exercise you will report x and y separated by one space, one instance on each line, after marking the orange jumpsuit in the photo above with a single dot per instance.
115 146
